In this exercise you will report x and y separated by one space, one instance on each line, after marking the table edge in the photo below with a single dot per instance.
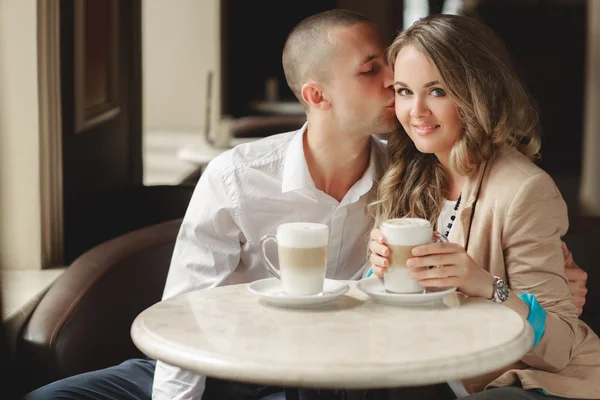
313 377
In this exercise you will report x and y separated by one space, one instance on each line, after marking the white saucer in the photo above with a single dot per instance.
373 287
269 290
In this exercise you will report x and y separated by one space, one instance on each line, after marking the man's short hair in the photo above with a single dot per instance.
308 48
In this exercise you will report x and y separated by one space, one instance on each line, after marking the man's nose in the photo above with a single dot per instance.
388 78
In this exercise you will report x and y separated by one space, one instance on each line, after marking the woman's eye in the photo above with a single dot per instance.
437 92
404 92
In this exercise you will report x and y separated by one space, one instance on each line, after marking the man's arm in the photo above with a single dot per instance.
577 279
207 251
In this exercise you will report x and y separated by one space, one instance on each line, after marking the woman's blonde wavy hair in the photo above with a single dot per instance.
494 107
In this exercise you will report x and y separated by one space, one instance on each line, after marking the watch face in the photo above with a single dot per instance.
502 290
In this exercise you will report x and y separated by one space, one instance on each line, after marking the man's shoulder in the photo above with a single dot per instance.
260 153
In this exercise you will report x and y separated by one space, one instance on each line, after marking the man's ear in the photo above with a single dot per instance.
312 93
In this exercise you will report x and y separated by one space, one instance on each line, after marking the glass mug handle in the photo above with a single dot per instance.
263 254
438 237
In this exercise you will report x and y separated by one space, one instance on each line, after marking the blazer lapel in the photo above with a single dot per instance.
470 194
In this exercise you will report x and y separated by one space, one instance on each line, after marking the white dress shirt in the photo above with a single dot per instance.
243 195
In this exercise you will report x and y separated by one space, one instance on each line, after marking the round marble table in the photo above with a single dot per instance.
351 343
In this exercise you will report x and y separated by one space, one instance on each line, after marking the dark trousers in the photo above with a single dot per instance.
132 380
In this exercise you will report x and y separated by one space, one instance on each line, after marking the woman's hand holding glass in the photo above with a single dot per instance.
453 266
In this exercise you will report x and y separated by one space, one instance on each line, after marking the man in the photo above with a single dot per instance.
325 172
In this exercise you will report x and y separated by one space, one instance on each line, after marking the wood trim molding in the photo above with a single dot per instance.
89 117
51 173
135 93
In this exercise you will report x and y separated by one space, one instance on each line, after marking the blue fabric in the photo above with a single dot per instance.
537 316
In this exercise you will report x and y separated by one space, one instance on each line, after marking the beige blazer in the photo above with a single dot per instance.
511 224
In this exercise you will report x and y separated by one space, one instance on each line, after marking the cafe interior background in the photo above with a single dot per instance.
110 110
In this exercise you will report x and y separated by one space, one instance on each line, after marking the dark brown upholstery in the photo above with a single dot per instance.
83 322
583 239
8 376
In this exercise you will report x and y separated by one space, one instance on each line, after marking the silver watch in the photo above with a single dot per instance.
500 290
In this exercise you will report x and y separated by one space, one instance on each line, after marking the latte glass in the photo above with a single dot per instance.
302 250
401 236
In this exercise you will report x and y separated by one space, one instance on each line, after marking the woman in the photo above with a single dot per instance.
463 160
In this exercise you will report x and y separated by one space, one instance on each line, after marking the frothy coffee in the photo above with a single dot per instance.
397 275
401 236
302 235
409 222
407 231
399 255
302 257
302 269
302 250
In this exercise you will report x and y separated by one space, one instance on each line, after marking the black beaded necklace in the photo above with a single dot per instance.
453 217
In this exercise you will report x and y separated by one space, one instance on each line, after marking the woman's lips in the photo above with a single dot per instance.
425 129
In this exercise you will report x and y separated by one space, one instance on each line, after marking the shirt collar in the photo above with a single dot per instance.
295 171
365 183
296 175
